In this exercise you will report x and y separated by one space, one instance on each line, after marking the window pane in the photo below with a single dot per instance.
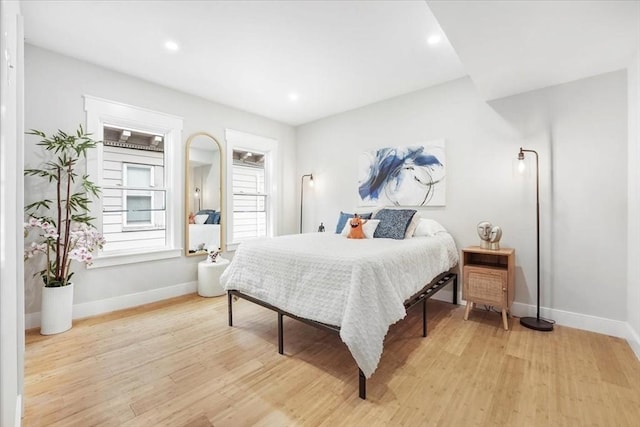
247 225
114 200
249 200
248 180
249 217
133 217
138 176
246 203
139 209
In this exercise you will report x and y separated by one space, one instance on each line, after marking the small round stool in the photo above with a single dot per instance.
209 277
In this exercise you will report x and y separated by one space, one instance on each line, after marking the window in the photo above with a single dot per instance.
250 198
137 203
133 206
135 165
251 166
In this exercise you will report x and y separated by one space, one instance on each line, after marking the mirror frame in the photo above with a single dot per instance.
187 194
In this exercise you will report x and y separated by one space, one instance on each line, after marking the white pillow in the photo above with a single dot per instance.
200 219
428 227
411 228
368 228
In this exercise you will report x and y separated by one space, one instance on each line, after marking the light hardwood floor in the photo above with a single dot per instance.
177 363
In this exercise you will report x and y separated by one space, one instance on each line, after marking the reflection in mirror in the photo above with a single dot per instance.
203 195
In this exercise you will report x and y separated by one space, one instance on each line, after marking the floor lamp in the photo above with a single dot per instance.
197 194
310 175
535 322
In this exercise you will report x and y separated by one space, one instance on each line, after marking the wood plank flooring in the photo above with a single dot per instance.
177 363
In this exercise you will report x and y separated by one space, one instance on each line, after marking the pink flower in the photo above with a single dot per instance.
83 240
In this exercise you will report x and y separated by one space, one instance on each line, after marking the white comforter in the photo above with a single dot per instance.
359 285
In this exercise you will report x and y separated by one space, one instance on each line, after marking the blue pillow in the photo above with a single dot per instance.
393 223
344 217
216 218
211 213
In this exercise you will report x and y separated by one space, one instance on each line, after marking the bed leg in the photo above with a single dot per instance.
455 290
424 317
362 384
280 335
230 310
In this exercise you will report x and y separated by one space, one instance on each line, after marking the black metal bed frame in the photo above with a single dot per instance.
423 295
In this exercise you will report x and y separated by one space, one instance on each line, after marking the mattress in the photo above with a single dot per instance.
204 236
359 285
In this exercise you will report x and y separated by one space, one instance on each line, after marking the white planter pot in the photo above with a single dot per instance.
56 310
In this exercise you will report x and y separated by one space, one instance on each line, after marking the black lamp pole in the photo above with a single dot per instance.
536 323
198 197
310 175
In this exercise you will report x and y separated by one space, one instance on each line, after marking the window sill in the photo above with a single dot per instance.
133 257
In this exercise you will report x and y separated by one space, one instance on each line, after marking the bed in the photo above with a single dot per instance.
203 237
356 288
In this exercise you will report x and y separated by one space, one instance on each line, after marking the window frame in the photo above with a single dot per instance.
101 112
243 141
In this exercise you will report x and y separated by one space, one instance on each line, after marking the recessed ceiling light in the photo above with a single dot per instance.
293 96
434 39
171 45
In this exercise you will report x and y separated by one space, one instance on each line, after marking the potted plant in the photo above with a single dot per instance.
61 229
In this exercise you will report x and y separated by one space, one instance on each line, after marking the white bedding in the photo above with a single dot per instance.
204 234
357 284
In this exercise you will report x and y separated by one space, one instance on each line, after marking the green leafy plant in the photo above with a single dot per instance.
65 232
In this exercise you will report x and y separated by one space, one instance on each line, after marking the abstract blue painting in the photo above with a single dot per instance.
403 176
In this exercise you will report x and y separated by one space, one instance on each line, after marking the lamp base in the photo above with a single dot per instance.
536 324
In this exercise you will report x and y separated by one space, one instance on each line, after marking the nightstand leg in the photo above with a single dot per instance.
504 320
467 310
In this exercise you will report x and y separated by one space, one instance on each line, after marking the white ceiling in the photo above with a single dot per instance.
510 47
251 55
339 55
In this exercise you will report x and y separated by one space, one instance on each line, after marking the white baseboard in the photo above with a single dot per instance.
634 340
18 418
94 308
601 325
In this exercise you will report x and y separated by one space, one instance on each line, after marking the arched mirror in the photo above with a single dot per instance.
204 195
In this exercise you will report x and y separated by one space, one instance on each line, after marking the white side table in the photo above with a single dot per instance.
209 277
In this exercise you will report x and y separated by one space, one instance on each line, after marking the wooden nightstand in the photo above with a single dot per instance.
489 278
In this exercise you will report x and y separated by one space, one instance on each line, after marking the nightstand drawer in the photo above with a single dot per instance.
485 285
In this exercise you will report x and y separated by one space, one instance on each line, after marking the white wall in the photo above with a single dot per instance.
583 198
633 257
581 131
55 85
11 193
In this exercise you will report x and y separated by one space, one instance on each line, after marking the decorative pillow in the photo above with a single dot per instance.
216 218
369 228
344 217
415 220
210 213
393 223
428 227
201 219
